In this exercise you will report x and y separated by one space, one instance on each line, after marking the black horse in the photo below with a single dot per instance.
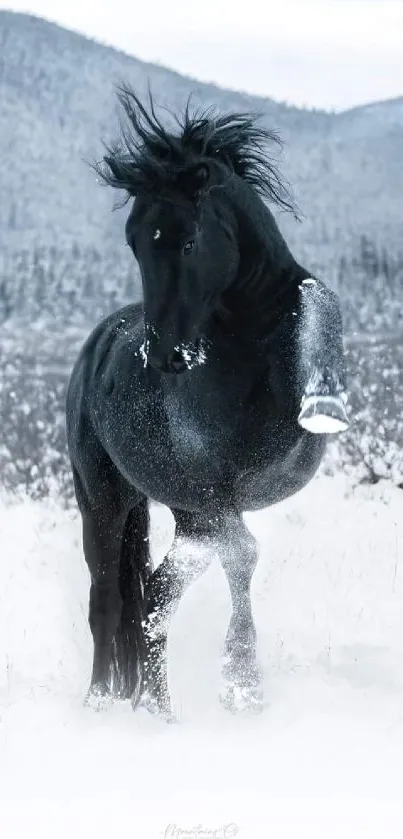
214 396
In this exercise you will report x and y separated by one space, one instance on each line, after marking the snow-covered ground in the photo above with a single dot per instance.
325 757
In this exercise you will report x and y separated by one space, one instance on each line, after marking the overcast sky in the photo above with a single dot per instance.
323 53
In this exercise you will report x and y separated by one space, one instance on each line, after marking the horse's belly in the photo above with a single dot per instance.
177 459
176 463
195 476
192 485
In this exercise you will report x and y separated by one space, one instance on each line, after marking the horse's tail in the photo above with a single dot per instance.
128 653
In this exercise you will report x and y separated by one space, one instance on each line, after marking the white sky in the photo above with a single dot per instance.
323 53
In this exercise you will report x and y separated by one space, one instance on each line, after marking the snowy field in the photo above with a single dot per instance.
325 757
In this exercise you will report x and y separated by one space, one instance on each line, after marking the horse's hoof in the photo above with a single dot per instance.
323 414
98 698
156 707
239 698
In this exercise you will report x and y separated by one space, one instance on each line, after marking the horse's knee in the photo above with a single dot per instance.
238 546
191 557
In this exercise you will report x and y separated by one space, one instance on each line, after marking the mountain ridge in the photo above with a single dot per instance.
176 73
93 42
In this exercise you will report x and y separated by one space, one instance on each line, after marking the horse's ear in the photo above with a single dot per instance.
195 180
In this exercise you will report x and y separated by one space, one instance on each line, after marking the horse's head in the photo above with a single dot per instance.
186 248
182 228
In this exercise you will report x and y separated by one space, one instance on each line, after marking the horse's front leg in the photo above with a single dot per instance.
242 677
321 376
190 555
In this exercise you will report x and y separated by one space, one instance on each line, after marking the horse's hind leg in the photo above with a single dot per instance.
102 540
320 360
190 556
115 529
135 570
242 677
116 551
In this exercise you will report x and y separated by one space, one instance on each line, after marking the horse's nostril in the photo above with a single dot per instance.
174 363
177 362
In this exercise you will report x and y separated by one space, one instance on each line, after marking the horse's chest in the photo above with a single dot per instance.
199 437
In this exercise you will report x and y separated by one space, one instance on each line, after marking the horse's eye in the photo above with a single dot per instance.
188 246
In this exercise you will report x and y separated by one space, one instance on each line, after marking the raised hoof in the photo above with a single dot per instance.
155 707
323 415
98 698
242 698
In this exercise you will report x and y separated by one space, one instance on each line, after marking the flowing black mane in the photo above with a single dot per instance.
148 158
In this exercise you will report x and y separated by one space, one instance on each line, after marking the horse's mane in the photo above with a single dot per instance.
148 158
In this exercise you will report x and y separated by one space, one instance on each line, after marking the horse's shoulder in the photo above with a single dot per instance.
114 340
122 326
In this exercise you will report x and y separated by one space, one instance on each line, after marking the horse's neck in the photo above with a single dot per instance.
268 273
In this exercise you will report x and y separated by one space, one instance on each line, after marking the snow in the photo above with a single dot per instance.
324 758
